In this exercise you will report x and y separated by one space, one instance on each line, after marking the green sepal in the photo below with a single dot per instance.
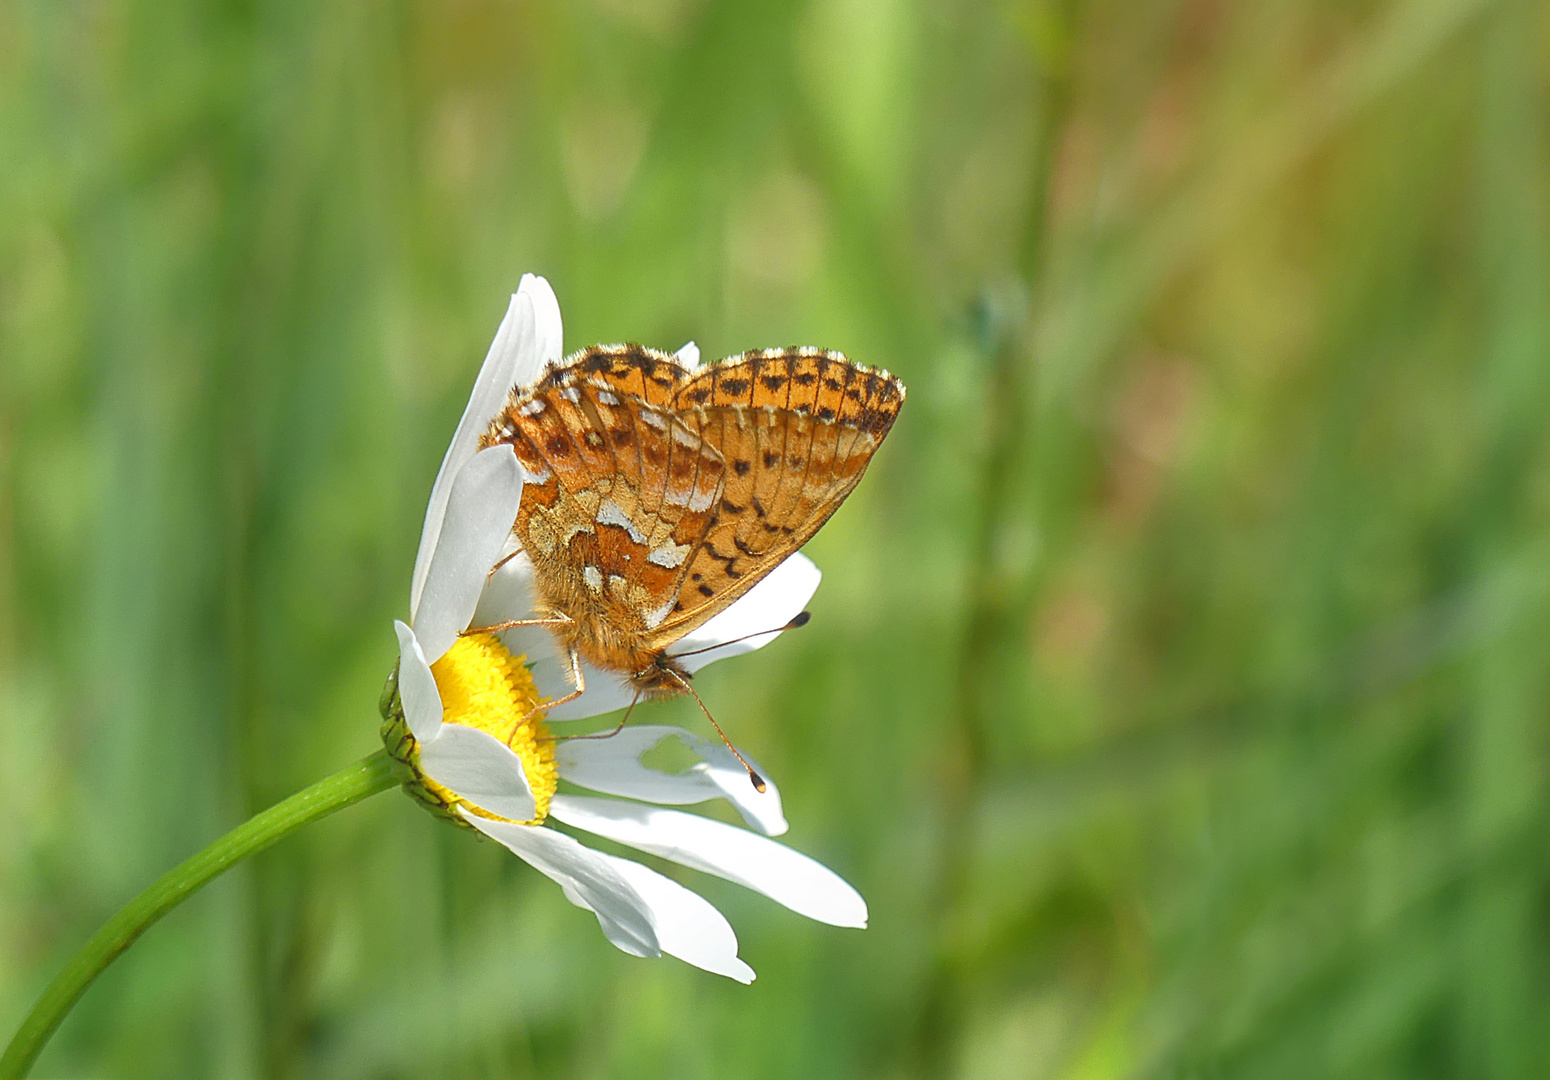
402 747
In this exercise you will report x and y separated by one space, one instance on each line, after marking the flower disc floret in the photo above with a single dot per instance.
484 687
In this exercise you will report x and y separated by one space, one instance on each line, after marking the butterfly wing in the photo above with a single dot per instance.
656 497
629 370
795 429
619 493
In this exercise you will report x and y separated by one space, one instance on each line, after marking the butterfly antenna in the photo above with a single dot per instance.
753 775
802 618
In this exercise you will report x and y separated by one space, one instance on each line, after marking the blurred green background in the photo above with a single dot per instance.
1177 694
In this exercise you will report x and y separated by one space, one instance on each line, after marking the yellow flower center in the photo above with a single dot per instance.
483 686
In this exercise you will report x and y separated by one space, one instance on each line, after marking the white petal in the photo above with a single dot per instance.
614 767
769 605
788 877
591 880
480 511
480 768
509 594
689 355
640 911
417 687
548 330
513 348
686 924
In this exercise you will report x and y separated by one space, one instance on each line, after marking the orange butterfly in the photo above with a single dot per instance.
656 495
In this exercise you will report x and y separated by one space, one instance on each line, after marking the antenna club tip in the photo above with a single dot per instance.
802 619
758 782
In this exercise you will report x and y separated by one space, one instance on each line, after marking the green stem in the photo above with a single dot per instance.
371 774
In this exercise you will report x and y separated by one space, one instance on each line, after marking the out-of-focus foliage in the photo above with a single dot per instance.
1178 690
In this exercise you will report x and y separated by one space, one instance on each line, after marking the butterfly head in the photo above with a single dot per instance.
662 677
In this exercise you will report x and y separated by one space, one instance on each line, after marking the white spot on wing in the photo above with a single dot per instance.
701 498
532 408
607 398
655 419
669 556
570 393
654 618
608 513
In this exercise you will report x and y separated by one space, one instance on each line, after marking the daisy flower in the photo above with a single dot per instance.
464 711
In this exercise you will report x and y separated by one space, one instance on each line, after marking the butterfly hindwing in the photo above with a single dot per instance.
618 494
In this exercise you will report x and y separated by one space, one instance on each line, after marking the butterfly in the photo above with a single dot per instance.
656 494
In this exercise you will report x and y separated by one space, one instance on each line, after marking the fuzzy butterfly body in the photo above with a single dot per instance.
657 495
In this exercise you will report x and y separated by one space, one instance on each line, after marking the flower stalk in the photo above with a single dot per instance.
374 773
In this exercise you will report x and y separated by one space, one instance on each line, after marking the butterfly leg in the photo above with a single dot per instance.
552 622
577 678
625 719
504 559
